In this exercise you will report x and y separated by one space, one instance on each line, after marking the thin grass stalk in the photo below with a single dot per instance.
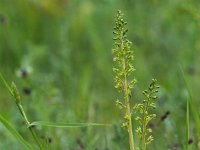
187 125
15 94
35 138
193 106
30 129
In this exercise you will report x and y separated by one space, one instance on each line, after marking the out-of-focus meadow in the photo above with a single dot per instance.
59 54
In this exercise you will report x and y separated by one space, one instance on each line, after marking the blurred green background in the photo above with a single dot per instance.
59 54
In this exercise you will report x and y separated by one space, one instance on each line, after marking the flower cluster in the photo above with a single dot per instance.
123 55
145 116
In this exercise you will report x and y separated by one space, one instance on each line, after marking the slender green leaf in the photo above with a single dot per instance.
190 104
65 125
6 84
9 127
187 125
193 104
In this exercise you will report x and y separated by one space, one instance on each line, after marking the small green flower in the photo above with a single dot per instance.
123 69
145 116
123 57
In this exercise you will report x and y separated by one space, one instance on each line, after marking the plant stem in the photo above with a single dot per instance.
127 103
144 131
30 128
187 125
128 113
144 125
35 138
130 131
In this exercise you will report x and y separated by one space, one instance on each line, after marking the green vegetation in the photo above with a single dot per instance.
123 57
58 54
15 93
144 132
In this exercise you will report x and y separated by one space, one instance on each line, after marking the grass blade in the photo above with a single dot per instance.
193 104
190 104
187 125
9 127
6 84
64 125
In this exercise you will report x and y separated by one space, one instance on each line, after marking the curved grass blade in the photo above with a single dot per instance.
9 127
64 125
6 84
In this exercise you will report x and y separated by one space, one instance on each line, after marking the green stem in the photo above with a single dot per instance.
30 128
35 138
187 125
144 124
144 132
23 113
128 113
130 130
127 103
